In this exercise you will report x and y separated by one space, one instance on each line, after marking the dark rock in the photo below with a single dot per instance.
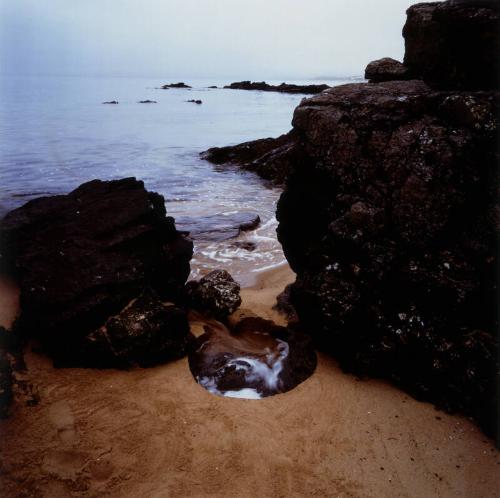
257 355
270 158
175 85
147 102
80 258
388 223
283 88
216 294
244 244
195 101
111 102
147 332
6 382
386 69
454 45
213 86
284 304
219 227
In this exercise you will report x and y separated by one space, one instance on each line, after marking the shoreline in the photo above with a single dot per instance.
155 432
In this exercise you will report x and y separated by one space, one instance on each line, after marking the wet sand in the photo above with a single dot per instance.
156 433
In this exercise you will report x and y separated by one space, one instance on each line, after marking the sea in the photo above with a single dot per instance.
56 133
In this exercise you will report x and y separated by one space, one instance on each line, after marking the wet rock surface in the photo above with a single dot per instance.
216 294
81 258
256 359
283 87
217 228
386 69
146 332
454 45
270 158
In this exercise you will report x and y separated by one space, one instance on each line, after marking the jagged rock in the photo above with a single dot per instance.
175 85
146 332
218 227
283 88
216 294
270 158
386 69
454 45
80 258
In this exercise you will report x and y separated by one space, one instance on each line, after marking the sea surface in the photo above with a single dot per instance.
55 134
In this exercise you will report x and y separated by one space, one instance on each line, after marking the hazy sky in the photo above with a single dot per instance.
255 39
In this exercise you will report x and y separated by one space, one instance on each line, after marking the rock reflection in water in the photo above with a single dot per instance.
255 360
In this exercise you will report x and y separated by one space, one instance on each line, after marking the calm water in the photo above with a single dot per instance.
55 134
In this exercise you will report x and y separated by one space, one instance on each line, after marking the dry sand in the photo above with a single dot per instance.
155 432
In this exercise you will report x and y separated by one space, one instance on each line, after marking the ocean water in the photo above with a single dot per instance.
55 134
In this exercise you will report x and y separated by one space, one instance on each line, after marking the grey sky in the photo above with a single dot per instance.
254 39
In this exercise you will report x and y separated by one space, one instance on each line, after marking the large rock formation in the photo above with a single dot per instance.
454 44
390 215
82 257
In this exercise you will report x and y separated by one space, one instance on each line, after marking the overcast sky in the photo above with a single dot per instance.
255 39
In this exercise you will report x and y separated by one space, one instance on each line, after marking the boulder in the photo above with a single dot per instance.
454 45
216 294
82 257
175 85
146 332
386 69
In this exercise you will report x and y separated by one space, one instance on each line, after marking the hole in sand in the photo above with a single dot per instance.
256 359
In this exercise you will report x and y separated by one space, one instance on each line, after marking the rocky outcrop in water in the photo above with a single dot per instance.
386 69
216 294
283 87
454 45
175 85
81 258
389 217
270 158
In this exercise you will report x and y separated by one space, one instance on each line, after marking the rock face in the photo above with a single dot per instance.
81 258
389 225
6 382
386 69
454 45
216 294
145 333
270 158
283 88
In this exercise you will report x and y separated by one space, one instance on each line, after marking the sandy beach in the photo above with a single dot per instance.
155 432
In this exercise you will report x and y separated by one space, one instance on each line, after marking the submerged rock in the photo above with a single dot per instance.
146 332
256 359
111 102
195 101
216 294
148 102
80 258
283 88
218 227
386 69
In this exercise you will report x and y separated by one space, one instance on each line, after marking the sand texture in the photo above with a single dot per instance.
156 433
